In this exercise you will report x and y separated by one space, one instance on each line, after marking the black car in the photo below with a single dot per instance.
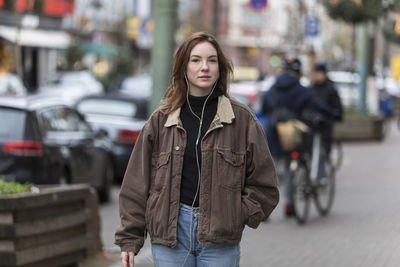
122 116
44 141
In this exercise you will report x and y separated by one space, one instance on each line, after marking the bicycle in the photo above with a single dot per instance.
398 123
311 173
337 154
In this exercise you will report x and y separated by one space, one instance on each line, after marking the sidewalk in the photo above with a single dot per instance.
113 260
102 260
363 228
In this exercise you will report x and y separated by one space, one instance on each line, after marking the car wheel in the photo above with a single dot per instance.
108 177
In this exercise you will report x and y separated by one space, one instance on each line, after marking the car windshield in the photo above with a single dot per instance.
13 124
109 107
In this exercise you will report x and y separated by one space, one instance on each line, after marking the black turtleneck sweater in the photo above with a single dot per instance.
191 125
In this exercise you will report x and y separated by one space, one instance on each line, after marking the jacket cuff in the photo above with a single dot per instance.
252 219
255 220
129 247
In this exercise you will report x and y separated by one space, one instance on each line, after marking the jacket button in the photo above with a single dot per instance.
177 148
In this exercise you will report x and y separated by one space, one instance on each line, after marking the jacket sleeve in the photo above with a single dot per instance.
266 105
336 104
317 104
133 196
260 195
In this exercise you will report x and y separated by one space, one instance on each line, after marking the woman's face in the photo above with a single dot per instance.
202 70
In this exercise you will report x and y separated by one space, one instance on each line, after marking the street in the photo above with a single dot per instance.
80 79
362 229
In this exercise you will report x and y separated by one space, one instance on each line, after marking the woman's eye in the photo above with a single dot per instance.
213 60
195 60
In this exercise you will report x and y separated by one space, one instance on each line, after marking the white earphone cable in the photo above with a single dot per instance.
197 156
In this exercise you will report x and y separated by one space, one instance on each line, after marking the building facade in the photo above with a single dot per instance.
33 32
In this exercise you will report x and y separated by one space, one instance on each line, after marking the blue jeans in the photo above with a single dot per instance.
188 252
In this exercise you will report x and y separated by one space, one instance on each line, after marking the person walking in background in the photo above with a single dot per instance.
200 171
325 90
286 100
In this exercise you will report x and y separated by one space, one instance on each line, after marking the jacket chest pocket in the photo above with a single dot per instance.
231 167
160 170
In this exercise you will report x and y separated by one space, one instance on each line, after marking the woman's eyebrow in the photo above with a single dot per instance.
200 56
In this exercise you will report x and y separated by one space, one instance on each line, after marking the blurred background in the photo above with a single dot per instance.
105 46
98 68
49 44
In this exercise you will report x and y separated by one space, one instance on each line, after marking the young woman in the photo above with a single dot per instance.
200 170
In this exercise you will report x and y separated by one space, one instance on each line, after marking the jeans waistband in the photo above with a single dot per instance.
188 209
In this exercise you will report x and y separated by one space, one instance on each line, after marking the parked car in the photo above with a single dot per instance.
72 86
11 85
139 86
122 116
44 141
248 93
251 94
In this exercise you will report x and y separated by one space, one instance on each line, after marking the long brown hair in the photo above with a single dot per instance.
176 92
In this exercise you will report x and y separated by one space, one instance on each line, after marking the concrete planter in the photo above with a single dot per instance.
57 227
360 129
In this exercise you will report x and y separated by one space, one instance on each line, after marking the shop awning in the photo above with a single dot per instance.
36 37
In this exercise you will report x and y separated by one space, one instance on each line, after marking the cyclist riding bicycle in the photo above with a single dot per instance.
325 90
286 100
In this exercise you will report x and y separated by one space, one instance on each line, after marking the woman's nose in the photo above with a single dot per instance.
204 66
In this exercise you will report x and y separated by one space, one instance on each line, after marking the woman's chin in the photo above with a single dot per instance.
205 86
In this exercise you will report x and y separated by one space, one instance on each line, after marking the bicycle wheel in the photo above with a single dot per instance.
398 123
336 155
324 190
300 193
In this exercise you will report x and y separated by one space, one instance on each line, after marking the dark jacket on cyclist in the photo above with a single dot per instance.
287 93
327 93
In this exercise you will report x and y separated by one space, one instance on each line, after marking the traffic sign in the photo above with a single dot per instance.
258 5
312 26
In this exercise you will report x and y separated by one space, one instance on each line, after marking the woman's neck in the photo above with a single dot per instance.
199 92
